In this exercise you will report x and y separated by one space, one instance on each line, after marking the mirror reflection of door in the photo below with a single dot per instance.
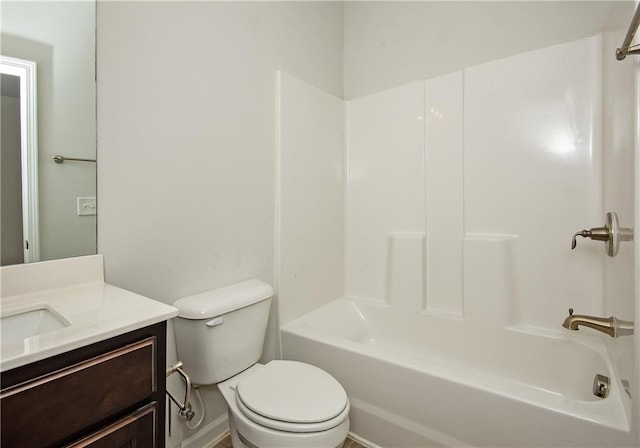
11 243
20 240
59 37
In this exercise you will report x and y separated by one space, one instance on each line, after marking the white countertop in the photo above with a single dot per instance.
94 311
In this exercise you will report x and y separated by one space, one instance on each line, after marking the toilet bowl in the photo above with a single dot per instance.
283 404
286 404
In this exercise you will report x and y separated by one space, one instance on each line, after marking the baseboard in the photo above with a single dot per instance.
208 435
362 441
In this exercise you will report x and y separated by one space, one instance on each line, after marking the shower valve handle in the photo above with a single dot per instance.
596 233
611 234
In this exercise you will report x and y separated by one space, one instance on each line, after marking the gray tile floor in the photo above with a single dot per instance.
226 443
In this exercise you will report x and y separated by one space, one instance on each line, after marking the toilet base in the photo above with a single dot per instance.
333 438
236 441
248 434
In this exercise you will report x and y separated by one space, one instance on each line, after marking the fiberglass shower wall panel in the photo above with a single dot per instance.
533 168
444 194
309 198
619 194
618 158
385 186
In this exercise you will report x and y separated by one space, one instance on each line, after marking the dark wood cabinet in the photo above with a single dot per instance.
136 430
107 394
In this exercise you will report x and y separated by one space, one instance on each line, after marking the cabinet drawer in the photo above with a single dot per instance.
136 430
56 406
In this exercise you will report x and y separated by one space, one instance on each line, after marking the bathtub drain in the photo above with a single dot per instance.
601 386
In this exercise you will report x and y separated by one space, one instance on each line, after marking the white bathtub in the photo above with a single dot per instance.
415 380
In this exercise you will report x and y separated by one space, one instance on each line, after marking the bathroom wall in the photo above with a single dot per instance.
186 131
385 183
533 155
309 198
59 37
462 175
619 195
618 174
465 190
636 202
388 44
186 117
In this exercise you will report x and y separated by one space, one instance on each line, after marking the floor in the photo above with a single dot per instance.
226 443
350 443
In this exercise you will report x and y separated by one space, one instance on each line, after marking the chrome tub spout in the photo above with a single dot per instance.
610 325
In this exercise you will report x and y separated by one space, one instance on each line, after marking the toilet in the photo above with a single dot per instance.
220 334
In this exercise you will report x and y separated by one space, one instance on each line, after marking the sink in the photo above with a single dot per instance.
15 327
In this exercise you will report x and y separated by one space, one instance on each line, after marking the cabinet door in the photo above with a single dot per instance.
133 431
61 405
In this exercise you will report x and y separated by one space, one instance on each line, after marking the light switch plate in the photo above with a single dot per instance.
87 206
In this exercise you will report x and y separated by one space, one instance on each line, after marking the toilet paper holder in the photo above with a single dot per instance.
184 409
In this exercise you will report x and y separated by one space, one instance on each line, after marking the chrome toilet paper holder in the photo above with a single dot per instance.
184 409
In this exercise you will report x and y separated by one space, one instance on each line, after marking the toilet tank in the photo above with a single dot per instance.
220 332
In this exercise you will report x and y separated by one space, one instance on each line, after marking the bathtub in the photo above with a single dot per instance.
416 380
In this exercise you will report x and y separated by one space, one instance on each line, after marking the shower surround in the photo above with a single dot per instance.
452 207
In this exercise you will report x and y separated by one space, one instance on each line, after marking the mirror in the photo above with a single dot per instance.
48 109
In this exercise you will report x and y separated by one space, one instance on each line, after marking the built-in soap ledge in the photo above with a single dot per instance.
52 307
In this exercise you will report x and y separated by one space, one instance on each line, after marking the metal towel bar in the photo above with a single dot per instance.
60 159
626 47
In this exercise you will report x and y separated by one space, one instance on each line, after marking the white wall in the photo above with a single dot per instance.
187 112
620 196
534 153
309 198
186 115
388 44
636 202
618 174
385 183
60 38
533 159
511 166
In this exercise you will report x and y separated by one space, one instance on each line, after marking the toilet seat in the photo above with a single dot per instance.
292 427
292 396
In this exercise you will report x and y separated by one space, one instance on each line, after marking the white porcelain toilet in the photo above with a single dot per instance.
282 404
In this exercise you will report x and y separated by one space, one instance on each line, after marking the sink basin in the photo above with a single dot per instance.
19 326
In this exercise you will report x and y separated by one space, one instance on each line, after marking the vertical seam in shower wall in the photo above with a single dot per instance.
425 256
443 128
463 202
598 133
636 243
345 164
345 197
277 202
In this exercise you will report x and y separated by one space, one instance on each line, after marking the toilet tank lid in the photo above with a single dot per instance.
215 302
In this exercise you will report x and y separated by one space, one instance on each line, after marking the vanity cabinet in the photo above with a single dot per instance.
107 394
